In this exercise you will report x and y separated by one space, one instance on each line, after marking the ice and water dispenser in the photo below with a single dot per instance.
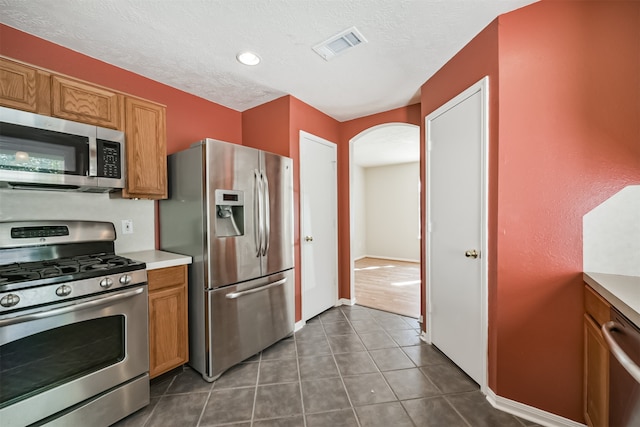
229 213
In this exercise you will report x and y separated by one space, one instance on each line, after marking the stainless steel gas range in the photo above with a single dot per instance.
73 326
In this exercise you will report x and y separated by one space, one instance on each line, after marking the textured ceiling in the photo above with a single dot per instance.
192 44
387 144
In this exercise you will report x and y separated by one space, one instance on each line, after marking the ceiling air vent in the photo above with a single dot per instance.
339 43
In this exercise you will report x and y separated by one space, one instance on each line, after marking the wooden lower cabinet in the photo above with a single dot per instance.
596 361
168 324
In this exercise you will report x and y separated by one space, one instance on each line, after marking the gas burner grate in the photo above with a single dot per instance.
14 273
22 272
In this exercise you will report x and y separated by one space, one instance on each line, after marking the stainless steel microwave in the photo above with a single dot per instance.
41 152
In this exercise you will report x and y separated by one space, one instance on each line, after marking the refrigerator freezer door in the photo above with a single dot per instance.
247 318
232 202
277 174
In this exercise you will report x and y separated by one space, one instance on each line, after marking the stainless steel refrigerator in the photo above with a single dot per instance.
231 208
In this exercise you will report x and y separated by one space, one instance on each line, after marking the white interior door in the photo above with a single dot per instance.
456 218
318 224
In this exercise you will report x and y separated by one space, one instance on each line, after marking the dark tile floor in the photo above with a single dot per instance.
349 366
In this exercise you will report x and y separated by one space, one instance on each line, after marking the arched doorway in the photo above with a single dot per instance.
384 185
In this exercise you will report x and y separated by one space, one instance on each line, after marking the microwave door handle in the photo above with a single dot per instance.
93 156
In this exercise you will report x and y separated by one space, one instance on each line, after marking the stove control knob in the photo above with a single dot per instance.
125 280
9 300
106 282
63 291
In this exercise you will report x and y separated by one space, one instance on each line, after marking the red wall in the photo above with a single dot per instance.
266 127
564 136
189 118
477 59
569 139
275 126
348 130
306 118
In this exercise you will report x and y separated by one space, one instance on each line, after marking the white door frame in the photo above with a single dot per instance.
352 261
332 145
481 86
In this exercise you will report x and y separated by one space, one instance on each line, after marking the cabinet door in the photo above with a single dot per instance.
24 87
146 148
168 333
596 375
81 102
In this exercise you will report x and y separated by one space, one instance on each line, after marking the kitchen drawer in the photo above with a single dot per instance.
166 277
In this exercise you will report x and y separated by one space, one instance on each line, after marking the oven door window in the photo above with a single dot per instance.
39 362
38 150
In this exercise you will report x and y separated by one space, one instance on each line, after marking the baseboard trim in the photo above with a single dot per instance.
391 258
346 301
299 325
529 412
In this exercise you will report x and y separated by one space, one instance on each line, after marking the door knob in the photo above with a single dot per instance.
472 254
308 238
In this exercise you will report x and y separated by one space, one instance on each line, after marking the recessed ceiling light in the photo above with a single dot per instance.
248 58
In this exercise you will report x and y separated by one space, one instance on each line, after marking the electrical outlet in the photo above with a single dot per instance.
127 226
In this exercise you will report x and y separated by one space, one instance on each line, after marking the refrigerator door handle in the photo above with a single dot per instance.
257 215
234 295
267 215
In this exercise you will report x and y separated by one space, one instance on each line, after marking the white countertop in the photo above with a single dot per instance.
622 292
158 259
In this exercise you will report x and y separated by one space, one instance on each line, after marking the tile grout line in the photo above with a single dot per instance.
255 393
456 410
206 402
353 408
415 366
158 403
385 378
295 345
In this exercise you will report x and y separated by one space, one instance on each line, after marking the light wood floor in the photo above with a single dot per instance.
388 285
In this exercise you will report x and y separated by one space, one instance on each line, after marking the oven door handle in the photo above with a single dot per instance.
72 307
235 295
618 352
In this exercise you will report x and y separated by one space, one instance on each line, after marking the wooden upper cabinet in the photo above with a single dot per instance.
146 148
81 102
29 88
23 87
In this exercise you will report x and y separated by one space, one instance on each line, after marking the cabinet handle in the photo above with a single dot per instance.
235 295
618 353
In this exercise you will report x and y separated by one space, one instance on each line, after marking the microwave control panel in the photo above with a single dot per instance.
109 159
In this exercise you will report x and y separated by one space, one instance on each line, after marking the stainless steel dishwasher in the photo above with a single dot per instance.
623 339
